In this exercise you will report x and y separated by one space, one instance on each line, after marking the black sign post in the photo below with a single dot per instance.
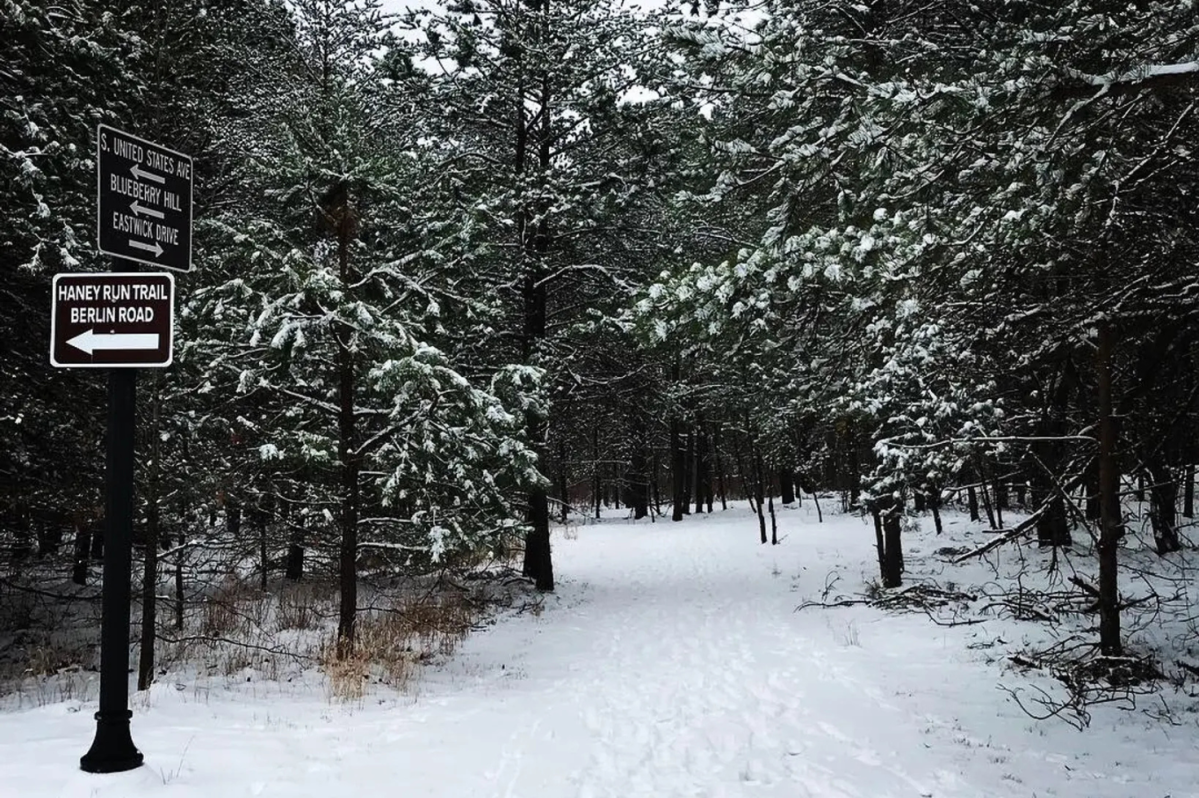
112 748
124 321
144 201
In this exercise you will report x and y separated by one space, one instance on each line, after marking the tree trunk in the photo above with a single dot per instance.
179 591
347 456
597 492
879 543
264 552
83 538
233 518
888 530
145 664
596 479
1053 527
22 531
972 501
533 141
774 526
638 483
655 484
724 505
678 468
294 568
1163 509
743 476
982 487
759 489
98 539
538 556
786 486
688 471
934 501
703 468
1091 482
563 486
1188 491
1048 459
1110 643
49 534
348 554
855 473
1000 501
893 554
538 563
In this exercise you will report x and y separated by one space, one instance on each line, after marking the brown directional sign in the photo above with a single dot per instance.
112 320
144 201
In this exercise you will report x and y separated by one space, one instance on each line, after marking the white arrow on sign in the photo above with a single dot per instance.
139 173
90 341
138 208
142 245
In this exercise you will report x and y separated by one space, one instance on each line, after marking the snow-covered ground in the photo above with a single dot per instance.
671 662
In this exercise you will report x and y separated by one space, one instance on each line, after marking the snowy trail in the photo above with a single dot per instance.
669 663
709 691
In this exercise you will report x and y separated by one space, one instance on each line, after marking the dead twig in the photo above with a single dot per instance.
1015 532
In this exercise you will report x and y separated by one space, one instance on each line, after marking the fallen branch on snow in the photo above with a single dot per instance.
922 596
225 641
1017 531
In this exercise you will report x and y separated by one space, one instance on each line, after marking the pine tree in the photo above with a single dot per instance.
322 321
58 62
550 170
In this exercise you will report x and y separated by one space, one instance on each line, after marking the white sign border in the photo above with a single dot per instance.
54 325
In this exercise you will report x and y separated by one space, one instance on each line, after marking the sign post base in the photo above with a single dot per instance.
113 750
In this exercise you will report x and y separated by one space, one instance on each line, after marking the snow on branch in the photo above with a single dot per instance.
991 439
391 546
1147 77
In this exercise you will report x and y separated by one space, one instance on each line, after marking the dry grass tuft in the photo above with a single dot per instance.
348 676
50 658
232 608
380 654
437 626
390 644
300 606
238 631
